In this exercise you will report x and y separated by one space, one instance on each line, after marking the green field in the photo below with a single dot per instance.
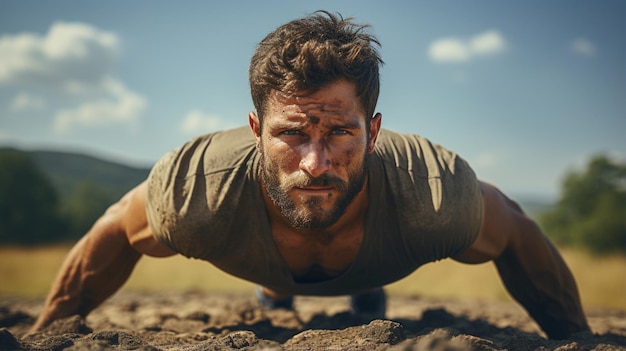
30 271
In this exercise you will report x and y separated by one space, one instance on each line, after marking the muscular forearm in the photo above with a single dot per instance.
536 275
94 269
530 267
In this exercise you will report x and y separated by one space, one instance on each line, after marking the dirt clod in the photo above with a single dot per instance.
216 322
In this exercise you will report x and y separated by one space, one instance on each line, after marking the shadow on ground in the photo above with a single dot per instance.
179 323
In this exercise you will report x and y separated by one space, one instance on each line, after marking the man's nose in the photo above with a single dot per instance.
315 159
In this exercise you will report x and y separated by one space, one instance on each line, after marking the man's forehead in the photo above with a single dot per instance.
309 107
311 100
329 104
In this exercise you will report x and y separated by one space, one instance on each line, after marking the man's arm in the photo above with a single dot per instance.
100 263
529 265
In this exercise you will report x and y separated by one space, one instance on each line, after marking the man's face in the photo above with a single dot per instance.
313 153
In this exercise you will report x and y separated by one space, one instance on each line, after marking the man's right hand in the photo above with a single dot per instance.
100 263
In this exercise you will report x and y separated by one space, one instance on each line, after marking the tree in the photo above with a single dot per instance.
592 209
86 204
28 202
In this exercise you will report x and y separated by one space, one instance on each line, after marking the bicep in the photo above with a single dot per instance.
136 226
501 218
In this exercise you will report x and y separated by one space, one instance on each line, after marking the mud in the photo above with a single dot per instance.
201 321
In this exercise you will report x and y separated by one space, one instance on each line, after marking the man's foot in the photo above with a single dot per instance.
271 303
369 305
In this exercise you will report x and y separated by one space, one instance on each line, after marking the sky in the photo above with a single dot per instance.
524 91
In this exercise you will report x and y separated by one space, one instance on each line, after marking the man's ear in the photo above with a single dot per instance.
255 125
375 123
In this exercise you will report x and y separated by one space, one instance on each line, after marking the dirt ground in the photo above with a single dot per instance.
197 321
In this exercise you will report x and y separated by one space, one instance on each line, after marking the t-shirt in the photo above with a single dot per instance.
205 201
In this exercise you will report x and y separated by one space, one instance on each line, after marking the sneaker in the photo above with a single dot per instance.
369 305
270 303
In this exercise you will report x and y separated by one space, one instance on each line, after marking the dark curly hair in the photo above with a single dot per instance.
308 53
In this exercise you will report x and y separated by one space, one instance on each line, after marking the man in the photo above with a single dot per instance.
317 199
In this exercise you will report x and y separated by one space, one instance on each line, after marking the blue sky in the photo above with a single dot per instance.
525 91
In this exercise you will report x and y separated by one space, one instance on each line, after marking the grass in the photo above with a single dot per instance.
30 271
601 280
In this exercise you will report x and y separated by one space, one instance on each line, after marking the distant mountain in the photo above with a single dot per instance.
85 187
67 170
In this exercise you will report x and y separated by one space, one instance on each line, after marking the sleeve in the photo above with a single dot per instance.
456 212
159 200
197 192
463 202
437 196
176 202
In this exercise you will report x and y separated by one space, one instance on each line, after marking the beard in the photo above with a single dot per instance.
310 214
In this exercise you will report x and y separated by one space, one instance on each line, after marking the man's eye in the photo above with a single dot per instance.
291 132
339 132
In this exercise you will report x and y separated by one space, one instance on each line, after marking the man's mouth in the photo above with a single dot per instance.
314 189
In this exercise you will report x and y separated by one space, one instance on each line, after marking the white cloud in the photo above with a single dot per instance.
488 43
68 52
120 106
197 122
448 50
24 101
583 47
454 50
73 65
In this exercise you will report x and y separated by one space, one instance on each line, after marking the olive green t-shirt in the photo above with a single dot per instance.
205 202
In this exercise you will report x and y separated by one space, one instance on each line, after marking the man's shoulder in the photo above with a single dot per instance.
196 192
226 142
423 177
414 153
436 196
209 164
210 153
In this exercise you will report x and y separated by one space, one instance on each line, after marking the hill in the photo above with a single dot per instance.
51 196
68 170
